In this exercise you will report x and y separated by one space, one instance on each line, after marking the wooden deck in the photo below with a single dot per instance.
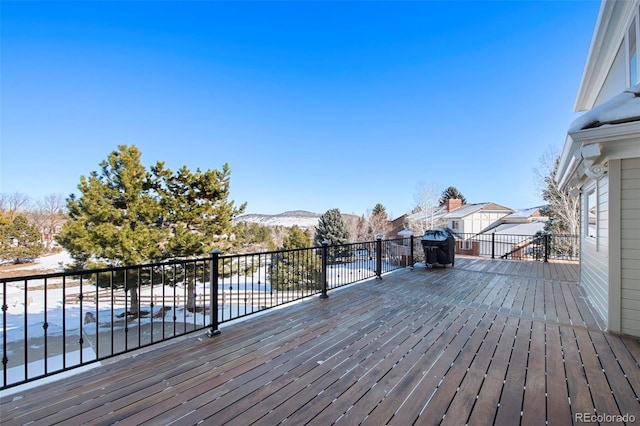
487 342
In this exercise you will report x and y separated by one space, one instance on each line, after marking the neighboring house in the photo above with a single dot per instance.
601 161
474 218
458 217
472 225
512 233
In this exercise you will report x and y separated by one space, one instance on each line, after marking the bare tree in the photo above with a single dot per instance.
378 221
562 208
48 215
426 198
12 204
357 227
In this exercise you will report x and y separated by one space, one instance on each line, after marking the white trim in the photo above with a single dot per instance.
615 264
615 142
610 30
587 206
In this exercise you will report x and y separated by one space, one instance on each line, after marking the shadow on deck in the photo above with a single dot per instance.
487 342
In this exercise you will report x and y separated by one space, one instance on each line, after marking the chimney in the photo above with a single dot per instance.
453 203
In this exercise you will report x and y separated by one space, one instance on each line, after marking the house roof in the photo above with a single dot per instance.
622 108
609 32
609 130
469 209
415 217
528 228
523 215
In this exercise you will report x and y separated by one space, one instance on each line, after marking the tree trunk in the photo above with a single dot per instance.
191 297
135 302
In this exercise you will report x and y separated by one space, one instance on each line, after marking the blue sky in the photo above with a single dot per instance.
314 105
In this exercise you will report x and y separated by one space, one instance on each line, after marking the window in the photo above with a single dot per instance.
633 53
591 219
465 245
455 224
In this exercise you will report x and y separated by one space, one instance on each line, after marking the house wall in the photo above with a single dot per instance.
472 250
594 252
477 222
630 246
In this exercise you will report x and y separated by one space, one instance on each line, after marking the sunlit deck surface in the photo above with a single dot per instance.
487 342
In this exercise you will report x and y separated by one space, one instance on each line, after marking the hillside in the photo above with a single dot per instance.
303 219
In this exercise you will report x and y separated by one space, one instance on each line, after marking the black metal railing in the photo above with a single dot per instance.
56 322
541 246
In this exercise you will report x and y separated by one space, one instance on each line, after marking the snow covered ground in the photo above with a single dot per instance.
50 262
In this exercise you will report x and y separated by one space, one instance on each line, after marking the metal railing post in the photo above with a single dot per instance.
323 275
411 262
546 247
379 257
493 245
213 293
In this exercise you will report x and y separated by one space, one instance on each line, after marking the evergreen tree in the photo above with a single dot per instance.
195 209
451 193
19 239
116 219
251 233
296 239
331 228
127 215
378 220
379 210
295 268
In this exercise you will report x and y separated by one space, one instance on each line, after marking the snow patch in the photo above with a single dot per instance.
622 108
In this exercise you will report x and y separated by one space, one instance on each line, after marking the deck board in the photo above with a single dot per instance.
486 342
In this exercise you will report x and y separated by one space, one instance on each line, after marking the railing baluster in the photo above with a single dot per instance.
5 308
45 326
26 330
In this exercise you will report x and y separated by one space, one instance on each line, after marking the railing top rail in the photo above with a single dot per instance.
78 272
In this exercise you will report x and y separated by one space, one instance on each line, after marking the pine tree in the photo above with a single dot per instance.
296 239
116 219
19 239
127 215
451 193
195 209
331 228
295 268
378 220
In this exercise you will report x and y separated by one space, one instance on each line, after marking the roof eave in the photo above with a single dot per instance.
610 29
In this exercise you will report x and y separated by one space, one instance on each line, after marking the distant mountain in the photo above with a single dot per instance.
302 218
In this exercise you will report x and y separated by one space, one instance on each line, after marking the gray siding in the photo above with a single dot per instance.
594 254
630 246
